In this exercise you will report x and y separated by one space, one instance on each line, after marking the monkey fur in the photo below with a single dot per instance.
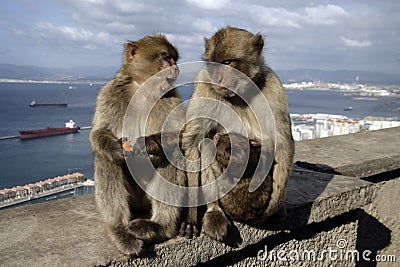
118 196
241 50
239 203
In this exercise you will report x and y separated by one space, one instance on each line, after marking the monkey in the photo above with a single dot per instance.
224 157
118 196
158 150
239 203
239 50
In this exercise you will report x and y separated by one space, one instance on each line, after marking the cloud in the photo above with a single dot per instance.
67 35
210 4
277 17
295 18
19 32
324 15
355 43
204 25
297 34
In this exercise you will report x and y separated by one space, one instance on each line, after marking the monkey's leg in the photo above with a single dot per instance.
280 177
195 131
165 216
190 226
112 198
215 223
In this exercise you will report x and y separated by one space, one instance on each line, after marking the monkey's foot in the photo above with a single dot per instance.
188 230
133 247
127 243
215 225
148 231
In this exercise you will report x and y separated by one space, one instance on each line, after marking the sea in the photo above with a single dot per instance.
29 161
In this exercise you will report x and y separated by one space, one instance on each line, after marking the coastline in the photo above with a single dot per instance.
51 81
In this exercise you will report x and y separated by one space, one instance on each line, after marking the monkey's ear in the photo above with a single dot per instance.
206 42
258 42
130 50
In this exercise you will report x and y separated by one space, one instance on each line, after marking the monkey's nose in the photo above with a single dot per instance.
173 73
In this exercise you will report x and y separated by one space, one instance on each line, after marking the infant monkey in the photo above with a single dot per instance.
239 203
157 151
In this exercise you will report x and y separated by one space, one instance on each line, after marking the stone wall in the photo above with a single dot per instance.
343 199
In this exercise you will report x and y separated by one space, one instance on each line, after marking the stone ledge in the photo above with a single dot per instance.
69 232
362 154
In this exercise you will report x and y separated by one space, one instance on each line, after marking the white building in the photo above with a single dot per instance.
329 125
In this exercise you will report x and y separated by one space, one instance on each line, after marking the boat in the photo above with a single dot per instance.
348 108
70 127
34 104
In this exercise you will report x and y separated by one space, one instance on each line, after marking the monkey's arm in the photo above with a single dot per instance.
284 151
282 169
105 144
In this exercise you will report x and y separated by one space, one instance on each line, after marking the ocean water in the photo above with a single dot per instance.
26 161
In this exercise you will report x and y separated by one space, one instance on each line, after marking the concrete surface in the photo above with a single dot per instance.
362 154
323 209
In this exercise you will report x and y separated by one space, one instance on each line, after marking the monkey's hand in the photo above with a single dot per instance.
107 145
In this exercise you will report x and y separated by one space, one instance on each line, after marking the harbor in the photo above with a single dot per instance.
49 189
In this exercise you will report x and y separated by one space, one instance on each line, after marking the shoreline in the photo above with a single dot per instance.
50 81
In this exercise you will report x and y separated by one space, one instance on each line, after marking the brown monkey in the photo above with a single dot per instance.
118 196
241 50
159 151
239 203
223 154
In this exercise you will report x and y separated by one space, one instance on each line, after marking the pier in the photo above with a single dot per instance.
49 187
86 128
9 137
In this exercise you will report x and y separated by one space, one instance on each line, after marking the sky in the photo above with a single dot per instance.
328 35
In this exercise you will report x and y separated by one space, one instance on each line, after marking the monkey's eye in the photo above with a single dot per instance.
167 56
227 61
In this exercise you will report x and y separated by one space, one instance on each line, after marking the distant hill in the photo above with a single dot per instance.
307 75
9 71
90 73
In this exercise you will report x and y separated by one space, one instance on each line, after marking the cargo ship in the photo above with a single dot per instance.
34 104
70 127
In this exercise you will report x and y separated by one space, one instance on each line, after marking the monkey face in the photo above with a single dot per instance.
238 49
150 55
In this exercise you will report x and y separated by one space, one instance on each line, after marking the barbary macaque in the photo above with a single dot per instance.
119 198
239 50
240 204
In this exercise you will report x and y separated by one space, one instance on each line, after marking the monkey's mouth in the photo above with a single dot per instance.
167 84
